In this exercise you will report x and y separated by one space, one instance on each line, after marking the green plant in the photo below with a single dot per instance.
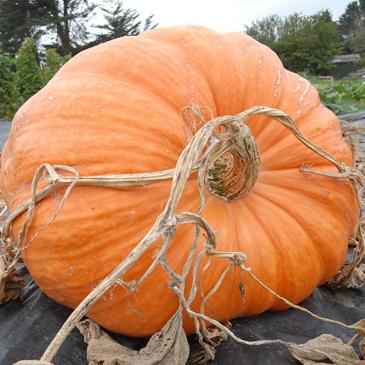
8 104
341 96
53 62
301 42
28 77
22 76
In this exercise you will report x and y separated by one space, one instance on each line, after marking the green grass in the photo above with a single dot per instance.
341 96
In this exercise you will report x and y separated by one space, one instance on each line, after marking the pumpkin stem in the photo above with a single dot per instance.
234 163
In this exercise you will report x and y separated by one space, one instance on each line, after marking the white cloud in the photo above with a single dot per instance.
227 15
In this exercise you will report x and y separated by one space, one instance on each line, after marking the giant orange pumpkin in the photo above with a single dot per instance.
116 108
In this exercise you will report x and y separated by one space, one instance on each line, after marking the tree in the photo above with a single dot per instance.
350 19
351 25
302 42
357 40
67 20
22 76
14 24
53 62
8 103
119 22
64 22
28 76
19 20
267 30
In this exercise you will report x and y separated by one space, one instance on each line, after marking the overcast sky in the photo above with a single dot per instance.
228 15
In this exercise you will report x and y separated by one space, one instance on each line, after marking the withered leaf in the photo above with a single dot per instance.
167 347
325 349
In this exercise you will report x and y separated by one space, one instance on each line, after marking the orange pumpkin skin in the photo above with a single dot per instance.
114 109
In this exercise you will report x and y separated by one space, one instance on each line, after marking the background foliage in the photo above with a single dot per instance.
302 42
65 24
23 75
38 36
341 96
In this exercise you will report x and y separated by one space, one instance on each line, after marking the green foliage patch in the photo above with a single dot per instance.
23 75
341 96
303 43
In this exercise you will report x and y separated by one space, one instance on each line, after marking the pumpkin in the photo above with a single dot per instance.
116 108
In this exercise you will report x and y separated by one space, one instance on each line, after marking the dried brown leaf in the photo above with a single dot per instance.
10 285
167 347
325 349
215 336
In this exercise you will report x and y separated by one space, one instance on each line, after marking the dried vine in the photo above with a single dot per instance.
219 149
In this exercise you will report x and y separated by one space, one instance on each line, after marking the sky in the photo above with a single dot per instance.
228 15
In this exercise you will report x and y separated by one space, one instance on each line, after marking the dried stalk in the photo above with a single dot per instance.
219 136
